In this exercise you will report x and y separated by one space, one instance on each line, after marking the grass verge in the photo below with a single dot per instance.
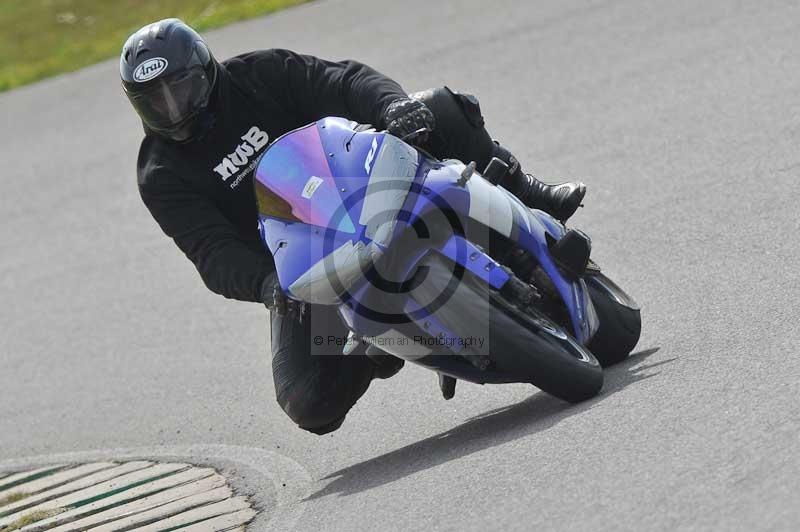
32 517
12 498
40 38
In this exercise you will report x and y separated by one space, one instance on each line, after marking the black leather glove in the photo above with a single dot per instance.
276 301
406 116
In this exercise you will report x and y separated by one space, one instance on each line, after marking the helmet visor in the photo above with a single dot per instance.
166 102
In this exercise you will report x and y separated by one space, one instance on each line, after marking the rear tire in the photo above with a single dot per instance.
620 324
531 348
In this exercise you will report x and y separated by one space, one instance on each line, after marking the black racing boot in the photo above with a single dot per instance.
560 200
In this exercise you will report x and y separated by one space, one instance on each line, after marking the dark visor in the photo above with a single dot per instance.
167 101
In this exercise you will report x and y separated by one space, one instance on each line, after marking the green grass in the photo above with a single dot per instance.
31 518
12 497
40 38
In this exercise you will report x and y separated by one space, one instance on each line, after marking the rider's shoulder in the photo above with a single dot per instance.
258 56
259 70
257 61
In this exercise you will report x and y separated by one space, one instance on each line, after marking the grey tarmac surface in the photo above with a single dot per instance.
684 120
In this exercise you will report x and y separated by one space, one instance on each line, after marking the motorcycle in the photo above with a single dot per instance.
433 262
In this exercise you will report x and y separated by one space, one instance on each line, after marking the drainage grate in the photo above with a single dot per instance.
104 496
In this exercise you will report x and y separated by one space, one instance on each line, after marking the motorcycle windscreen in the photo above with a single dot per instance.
391 178
329 176
294 183
376 201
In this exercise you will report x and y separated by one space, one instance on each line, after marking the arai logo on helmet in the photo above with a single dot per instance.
150 69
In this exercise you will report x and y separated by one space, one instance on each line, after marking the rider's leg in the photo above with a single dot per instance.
316 385
460 134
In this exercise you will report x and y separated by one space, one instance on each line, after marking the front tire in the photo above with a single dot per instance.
532 348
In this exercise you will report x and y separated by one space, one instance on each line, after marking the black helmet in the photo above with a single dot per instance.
168 74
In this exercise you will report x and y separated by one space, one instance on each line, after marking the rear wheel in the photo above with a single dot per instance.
620 321
525 344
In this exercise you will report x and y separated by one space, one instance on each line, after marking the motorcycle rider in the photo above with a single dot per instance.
206 123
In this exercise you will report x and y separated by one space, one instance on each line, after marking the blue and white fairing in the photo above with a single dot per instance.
332 200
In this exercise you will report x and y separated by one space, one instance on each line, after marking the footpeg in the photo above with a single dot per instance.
448 386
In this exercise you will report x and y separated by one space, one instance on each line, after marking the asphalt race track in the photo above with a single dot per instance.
684 120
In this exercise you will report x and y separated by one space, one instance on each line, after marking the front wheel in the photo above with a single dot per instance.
620 321
526 345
